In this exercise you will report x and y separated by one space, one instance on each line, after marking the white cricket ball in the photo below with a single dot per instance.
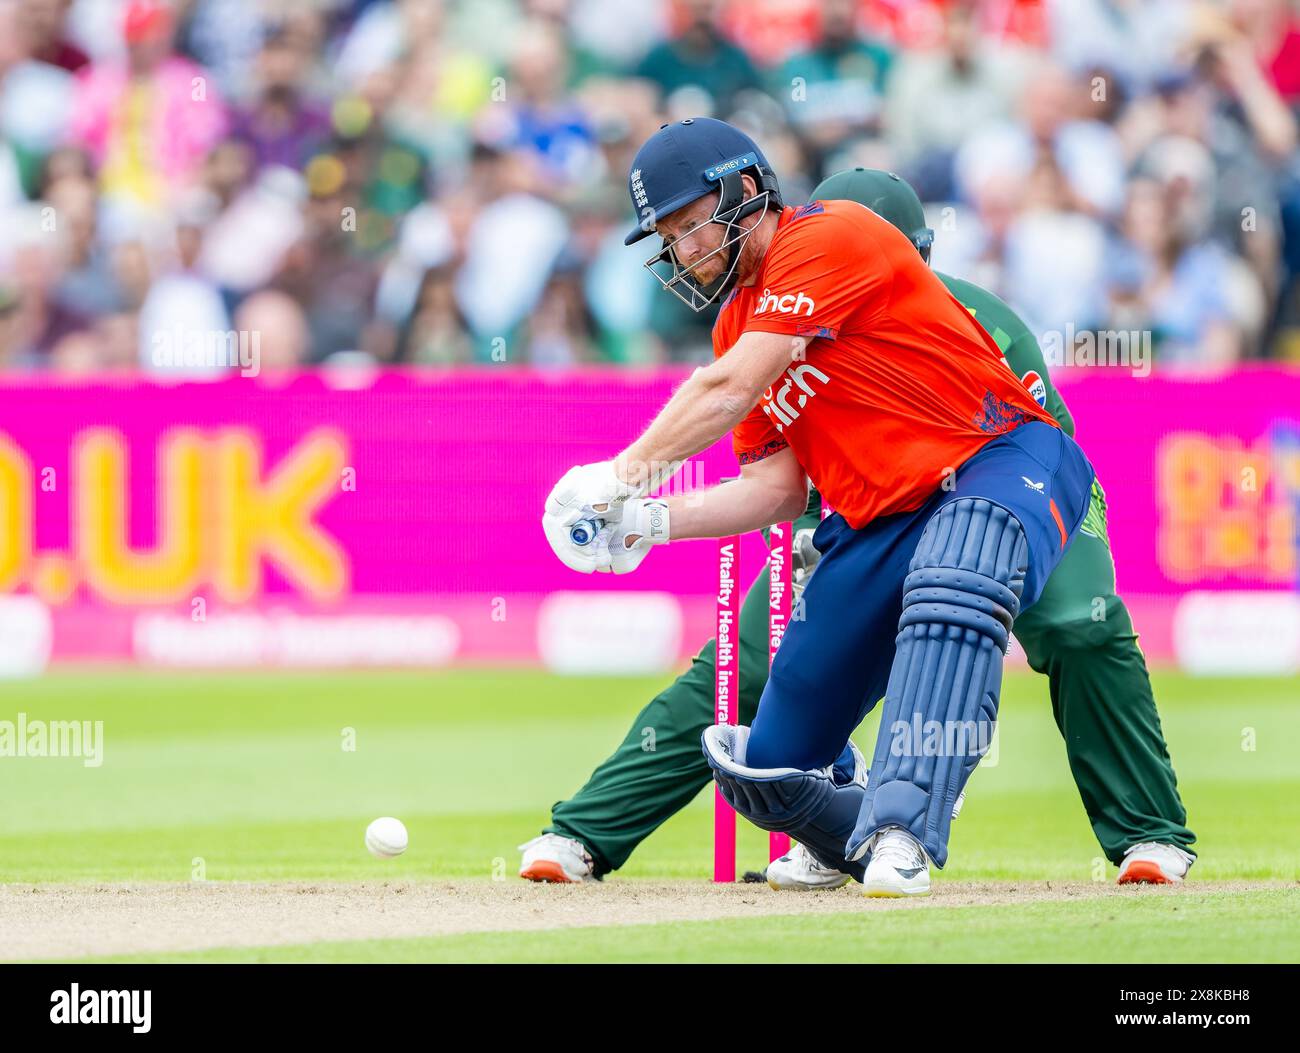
386 838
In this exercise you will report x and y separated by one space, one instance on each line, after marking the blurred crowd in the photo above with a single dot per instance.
434 182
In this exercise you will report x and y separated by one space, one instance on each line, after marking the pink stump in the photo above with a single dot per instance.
726 696
779 590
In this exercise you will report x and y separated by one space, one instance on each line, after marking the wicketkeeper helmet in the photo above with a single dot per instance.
888 195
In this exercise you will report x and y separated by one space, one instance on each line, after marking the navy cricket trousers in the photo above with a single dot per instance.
835 658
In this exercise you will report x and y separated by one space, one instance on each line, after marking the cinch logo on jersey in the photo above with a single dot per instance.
1036 386
778 408
790 303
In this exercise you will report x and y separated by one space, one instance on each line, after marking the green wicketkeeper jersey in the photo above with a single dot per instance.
1018 345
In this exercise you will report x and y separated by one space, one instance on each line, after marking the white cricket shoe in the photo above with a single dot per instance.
898 865
798 871
551 857
1154 863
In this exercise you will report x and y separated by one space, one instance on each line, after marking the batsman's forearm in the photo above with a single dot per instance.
736 507
700 412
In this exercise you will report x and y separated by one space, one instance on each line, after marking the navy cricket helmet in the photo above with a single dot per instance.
681 163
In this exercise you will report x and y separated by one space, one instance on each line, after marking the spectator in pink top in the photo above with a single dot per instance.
148 123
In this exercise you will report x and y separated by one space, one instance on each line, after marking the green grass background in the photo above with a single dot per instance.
247 773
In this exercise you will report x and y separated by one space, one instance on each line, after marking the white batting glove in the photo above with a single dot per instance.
644 525
588 494
589 490
592 544
584 558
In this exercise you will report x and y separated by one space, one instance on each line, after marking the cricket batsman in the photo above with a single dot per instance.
840 358
1101 692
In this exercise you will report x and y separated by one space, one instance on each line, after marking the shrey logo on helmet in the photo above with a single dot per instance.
736 164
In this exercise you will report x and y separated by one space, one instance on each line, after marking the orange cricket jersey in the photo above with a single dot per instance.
898 385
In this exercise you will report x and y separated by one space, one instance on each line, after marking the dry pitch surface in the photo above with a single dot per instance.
74 921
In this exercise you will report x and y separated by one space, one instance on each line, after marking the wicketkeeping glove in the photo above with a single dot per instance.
804 561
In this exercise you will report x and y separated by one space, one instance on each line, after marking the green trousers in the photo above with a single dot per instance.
1078 633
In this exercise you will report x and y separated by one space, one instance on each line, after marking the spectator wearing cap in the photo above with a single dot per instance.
148 122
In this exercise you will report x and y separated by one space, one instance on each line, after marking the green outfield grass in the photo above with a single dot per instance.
243 777
247 772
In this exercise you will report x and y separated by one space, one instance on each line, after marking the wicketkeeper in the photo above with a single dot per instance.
842 356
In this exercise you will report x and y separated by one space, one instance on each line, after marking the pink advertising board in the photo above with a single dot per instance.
393 518
1202 479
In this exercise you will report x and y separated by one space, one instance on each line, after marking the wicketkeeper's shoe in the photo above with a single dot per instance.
551 857
1154 863
798 871
898 865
